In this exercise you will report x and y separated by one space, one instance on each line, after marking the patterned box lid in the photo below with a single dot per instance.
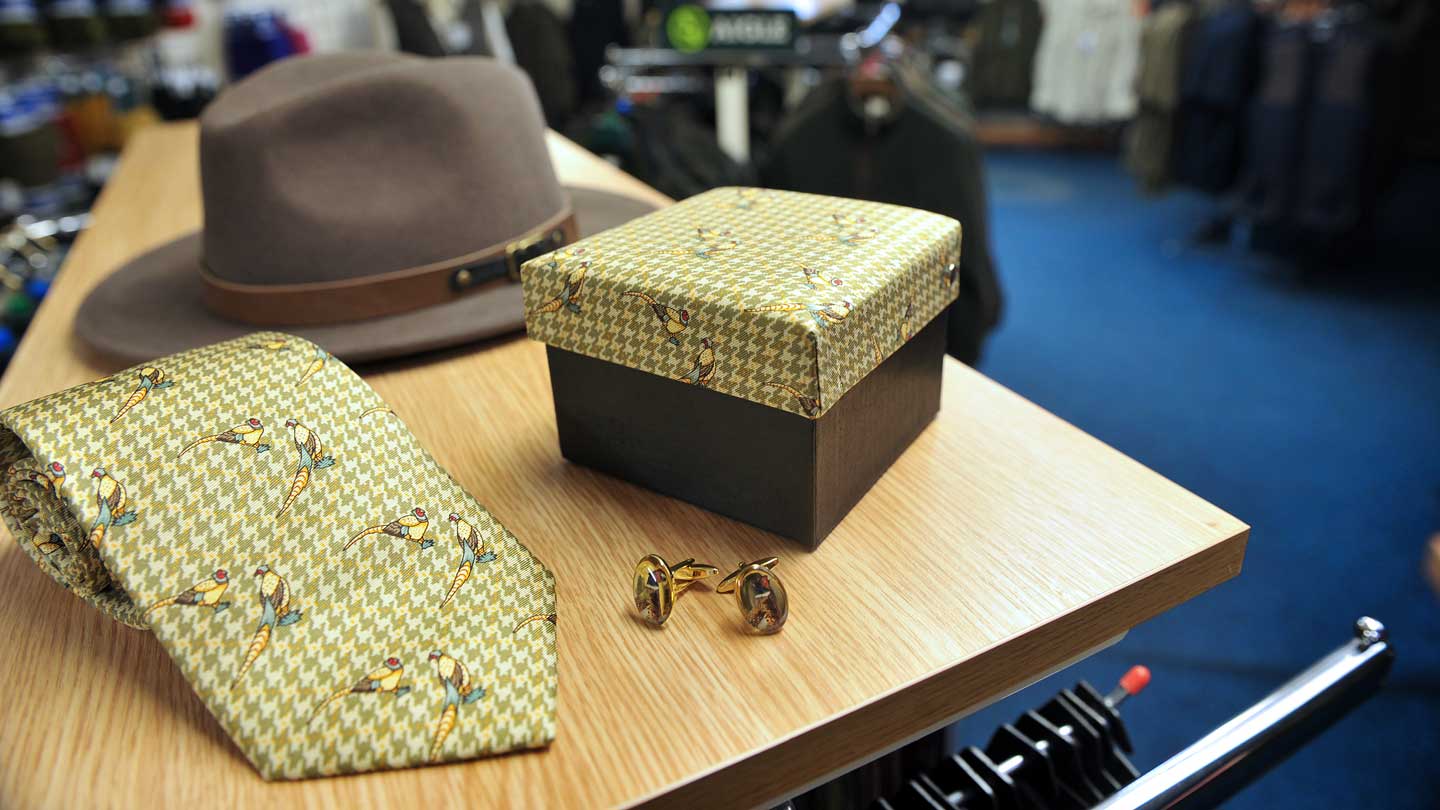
781 298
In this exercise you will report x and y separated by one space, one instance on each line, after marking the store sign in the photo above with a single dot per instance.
691 29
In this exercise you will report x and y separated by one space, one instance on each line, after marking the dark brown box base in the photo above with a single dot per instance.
773 469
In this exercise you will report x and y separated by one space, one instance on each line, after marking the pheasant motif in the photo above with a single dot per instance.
114 509
458 690
748 198
318 362
539 617
824 314
849 229
383 680
411 527
276 612
672 320
810 405
704 367
559 258
312 457
569 298
472 551
151 379
247 434
49 544
819 280
207 593
51 478
711 244
874 344
903 331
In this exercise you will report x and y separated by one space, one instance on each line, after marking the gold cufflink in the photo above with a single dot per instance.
657 583
760 594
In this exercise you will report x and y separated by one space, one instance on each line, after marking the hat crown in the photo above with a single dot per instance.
342 166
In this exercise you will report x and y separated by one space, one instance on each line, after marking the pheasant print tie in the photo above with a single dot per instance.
335 598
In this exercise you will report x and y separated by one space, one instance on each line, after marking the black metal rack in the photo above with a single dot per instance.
1071 753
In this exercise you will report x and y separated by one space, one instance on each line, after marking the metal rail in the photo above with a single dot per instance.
1237 753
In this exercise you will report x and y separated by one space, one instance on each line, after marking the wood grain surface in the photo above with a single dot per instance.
1002 544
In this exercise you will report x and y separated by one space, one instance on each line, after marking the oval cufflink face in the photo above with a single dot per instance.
653 590
763 600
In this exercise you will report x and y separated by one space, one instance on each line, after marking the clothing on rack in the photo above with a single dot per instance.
594 25
1417 73
1277 123
413 30
1086 63
1218 76
1002 62
921 153
1347 129
674 152
478 18
1152 135
1319 124
542 49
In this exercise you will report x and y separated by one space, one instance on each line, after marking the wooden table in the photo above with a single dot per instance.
1004 544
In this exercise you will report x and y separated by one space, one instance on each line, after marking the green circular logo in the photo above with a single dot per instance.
688 29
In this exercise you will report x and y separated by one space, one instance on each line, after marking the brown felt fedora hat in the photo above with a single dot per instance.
377 204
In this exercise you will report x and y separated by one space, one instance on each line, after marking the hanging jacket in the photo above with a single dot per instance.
1276 125
1320 125
1217 79
677 153
542 50
1003 60
1347 130
1086 62
1151 137
595 25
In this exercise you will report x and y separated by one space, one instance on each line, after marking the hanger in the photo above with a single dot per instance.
872 85
874 77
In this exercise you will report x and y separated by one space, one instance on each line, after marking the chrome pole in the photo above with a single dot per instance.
1235 754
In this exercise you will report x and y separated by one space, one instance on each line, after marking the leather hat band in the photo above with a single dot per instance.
330 302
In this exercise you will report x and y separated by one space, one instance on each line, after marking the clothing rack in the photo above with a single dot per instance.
1239 752
1292 115
732 68
1071 753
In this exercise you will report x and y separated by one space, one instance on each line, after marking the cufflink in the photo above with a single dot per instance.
658 583
759 593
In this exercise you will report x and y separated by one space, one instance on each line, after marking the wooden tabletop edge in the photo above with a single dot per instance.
744 780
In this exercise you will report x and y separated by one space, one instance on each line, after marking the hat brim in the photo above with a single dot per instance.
153 306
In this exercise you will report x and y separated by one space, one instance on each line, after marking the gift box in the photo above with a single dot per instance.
763 354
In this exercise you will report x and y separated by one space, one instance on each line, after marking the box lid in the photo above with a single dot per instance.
777 297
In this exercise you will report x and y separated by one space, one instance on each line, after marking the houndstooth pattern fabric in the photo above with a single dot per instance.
371 631
792 298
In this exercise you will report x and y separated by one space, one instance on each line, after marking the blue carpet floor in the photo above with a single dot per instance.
1307 405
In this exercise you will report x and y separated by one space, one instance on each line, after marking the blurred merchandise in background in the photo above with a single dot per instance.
1005 37
1301 118
254 39
1295 115
1085 61
1274 144
77 79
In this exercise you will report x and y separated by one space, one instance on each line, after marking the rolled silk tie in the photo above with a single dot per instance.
335 598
